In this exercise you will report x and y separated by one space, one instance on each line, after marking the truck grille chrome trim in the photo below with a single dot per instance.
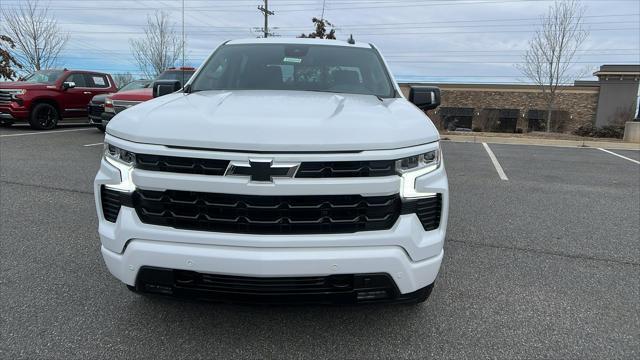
120 105
329 169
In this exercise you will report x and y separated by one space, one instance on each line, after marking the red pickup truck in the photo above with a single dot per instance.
126 99
47 96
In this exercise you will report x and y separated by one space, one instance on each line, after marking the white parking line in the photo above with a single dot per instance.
620 156
45 132
495 162
96 144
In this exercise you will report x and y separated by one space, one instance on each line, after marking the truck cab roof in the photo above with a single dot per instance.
310 41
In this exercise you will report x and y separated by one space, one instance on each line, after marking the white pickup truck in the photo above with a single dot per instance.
285 170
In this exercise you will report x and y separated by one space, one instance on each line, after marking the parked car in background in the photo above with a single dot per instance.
126 99
96 106
45 97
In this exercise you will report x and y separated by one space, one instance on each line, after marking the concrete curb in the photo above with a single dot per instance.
542 142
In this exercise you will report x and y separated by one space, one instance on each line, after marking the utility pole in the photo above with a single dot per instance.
265 10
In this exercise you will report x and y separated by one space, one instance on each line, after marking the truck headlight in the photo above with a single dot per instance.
417 162
124 161
16 93
120 155
412 167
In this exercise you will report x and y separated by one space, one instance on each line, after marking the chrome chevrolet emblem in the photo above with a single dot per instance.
260 170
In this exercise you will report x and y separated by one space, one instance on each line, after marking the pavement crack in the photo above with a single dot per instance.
46 187
545 252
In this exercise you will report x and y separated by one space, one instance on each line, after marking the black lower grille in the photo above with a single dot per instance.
428 210
111 203
266 214
342 288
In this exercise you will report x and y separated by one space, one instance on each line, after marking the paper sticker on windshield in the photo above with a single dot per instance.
292 60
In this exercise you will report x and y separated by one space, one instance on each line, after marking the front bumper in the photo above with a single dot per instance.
406 252
407 275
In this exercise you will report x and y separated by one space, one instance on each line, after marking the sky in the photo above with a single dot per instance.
469 41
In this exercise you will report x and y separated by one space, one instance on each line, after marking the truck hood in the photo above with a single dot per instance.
291 121
99 99
134 95
24 85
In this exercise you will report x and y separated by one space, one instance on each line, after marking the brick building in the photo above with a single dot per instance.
514 108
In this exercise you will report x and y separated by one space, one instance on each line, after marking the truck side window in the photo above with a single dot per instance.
97 81
78 79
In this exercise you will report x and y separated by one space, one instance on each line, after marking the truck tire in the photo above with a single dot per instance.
100 127
43 117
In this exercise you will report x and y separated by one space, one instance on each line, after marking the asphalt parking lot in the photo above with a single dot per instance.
543 264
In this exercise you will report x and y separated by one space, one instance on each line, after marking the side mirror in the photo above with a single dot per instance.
68 85
164 87
425 97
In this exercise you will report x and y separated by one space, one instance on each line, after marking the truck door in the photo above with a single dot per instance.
75 100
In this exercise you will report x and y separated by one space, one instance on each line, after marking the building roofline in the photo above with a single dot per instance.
500 86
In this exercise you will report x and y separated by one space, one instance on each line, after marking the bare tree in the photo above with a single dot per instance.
122 79
37 37
160 47
8 62
550 58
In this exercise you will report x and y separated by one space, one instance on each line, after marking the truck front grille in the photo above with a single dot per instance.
5 97
330 169
121 105
181 164
346 169
252 214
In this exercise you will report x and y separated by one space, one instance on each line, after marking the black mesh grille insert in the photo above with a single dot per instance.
267 214
346 169
181 164
110 203
429 211
339 288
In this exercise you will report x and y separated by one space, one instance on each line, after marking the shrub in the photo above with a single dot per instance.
610 131
585 130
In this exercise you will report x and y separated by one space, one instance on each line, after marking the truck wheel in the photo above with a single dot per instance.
6 123
43 117
100 127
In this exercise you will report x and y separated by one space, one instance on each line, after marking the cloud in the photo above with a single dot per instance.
455 40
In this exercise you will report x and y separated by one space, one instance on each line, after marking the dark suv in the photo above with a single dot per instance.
47 96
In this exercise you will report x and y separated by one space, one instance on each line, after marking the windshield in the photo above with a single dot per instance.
295 67
134 85
44 76
182 76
